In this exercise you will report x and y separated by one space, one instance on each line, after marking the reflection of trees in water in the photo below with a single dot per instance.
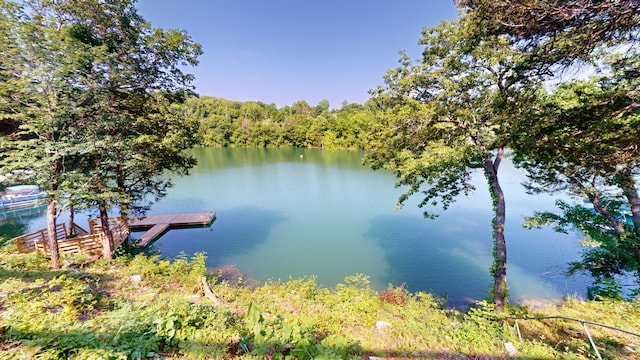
226 158
424 255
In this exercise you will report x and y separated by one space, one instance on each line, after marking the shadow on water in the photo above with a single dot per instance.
235 231
447 258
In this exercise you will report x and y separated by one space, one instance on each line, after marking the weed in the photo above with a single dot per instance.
394 295
98 312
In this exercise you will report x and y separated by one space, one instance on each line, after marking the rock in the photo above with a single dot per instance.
511 350
382 326
136 278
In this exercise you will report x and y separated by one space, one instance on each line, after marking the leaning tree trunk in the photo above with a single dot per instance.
107 237
499 268
633 198
51 233
615 223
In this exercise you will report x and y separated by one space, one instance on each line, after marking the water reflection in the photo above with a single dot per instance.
297 212
451 261
227 158
235 231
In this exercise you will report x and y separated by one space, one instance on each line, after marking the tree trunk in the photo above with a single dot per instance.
499 268
631 193
124 208
51 233
71 220
616 224
107 238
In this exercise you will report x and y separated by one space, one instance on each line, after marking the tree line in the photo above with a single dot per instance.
228 123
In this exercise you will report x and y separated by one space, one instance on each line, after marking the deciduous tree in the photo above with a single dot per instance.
40 59
98 83
448 115
583 139
557 32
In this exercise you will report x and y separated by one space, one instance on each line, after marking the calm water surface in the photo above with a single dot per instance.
286 213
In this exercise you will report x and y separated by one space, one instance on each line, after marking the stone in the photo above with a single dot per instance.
382 326
511 350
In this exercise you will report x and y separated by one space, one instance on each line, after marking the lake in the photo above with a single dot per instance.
289 213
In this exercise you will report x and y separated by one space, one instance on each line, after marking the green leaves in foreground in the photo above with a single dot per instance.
99 313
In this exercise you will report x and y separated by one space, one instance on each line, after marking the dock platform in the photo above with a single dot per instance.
159 224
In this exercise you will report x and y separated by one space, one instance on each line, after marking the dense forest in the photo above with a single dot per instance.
227 123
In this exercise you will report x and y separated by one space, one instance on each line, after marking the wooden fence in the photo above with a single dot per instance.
27 242
81 242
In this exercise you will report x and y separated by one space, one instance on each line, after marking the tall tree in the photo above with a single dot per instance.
9 116
39 64
583 138
448 116
135 78
122 77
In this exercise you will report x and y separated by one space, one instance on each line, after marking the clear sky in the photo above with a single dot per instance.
282 51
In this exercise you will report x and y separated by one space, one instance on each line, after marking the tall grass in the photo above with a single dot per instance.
147 307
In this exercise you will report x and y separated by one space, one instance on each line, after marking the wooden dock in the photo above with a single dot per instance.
159 224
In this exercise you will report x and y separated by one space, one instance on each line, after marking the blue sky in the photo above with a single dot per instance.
282 51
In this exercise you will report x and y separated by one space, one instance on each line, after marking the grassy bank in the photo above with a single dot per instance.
145 307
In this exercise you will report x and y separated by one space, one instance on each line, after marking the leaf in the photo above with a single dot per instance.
255 319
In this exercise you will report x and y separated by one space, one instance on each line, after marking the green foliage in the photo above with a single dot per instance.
91 86
16 262
605 251
448 114
605 288
298 339
98 312
558 33
227 123
579 136
479 327
358 281
152 267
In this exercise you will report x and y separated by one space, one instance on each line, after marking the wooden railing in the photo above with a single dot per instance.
77 230
83 242
119 233
119 230
27 242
